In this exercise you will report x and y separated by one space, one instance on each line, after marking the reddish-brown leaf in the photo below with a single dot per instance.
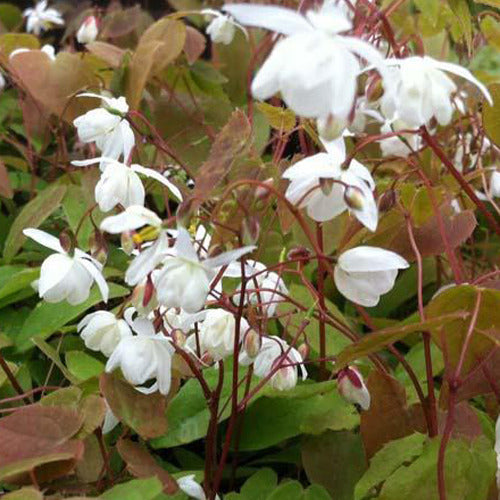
145 413
107 52
194 44
142 465
5 187
389 417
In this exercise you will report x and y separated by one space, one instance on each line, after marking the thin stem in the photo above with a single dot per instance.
323 374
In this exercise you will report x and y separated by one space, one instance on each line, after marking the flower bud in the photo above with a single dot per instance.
387 200
98 247
326 185
285 377
354 198
374 89
352 387
144 297
304 350
179 337
88 31
261 193
67 240
250 229
252 343
331 127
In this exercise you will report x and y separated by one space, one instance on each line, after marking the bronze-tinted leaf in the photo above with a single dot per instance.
389 417
145 413
194 44
107 52
491 114
5 187
142 465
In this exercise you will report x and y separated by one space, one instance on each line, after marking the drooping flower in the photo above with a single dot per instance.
398 145
497 449
421 90
192 489
324 83
274 351
41 18
107 127
353 388
64 276
184 279
217 332
221 28
120 183
88 31
144 356
364 273
132 218
319 184
102 331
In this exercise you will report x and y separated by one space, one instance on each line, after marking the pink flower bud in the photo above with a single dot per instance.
285 378
252 343
352 387
304 350
88 31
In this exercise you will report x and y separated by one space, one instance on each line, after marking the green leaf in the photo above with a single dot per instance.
378 339
82 365
10 16
491 114
387 460
53 355
32 215
461 10
14 279
307 409
288 490
47 319
12 41
469 470
259 485
334 460
137 489
279 118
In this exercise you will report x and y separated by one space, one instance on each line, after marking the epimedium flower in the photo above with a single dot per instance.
324 83
102 331
319 184
364 273
221 28
65 276
132 218
41 18
396 146
352 387
107 127
217 332
184 279
88 30
495 184
191 488
420 89
274 351
121 184
144 356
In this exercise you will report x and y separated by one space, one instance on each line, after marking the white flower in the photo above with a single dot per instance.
120 184
221 28
497 449
495 184
64 276
2 82
273 351
107 127
324 83
349 189
88 31
143 357
364 273
421 90
395 146
217 332
41 18
47 49
271 287
184 280
132 218
352 387
102 331
191 488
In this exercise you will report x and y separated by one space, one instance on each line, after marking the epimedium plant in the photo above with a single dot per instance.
250 250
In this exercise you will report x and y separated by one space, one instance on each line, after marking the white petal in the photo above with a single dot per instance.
273 18
369 259
45 239
227 257
134 217
98 277
149 172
